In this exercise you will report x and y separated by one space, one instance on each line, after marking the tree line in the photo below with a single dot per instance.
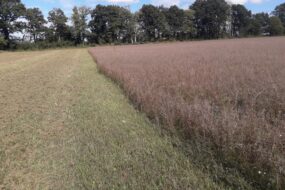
22 27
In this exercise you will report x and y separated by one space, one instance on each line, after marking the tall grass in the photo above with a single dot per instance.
228 96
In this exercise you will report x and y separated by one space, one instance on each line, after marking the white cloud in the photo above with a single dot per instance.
166 3
122 1
245 1
183 3
67 4
92 2
256 1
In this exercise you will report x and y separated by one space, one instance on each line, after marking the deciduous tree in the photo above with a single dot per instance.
153 22
175 19
3 42
276 27
188 28
11 11
211 17
79 21
110 24
280 12
240 20
264 22
58 21
35 25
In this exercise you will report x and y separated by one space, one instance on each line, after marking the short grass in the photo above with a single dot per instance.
118 148
65 126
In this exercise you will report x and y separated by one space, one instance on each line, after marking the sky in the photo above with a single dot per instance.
47 5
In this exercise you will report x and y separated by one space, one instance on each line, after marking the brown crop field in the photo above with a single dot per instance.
226 96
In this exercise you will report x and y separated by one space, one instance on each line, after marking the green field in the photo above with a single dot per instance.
63 125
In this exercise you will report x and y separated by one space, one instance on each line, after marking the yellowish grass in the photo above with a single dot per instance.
65 126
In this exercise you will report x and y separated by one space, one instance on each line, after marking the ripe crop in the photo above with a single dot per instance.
226 94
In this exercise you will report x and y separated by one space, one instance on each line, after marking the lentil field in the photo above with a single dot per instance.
224 98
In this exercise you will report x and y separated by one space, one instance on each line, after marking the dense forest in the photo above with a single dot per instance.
27 28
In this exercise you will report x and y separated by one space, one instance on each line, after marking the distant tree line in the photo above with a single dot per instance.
22 27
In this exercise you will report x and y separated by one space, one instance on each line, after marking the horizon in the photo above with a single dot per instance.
255 6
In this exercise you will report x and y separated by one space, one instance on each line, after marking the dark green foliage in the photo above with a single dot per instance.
254 28
58 21
43 45
175 19
240 20
280 12
49 35
180 22
211 18
10 12
3 43
188 29
79 21
35 25
109 24
276 28
264 22
153 22
259 25
206 19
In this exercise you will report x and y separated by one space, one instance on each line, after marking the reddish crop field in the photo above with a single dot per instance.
227 94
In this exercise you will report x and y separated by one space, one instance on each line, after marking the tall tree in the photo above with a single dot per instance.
110 23
175 19
188 29
259 24
138 34
79 21
58 21
254 28
10 13
276 27
211 17
153 22
280 12
240 20
35 25
264 22
3 42
49 35
133 30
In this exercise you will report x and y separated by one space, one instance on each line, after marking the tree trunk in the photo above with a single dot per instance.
6 38
6 34
34 36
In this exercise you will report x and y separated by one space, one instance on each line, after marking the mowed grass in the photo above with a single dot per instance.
65 126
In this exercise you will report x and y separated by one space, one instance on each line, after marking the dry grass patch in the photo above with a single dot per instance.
118 148
65 126
227 96
34 102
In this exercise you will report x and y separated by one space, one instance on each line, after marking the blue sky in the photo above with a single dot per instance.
66 5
